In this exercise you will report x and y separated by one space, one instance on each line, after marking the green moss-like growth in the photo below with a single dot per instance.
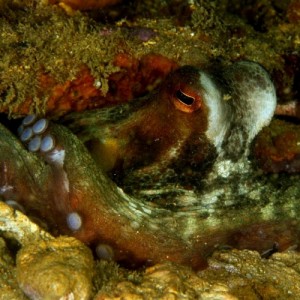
35 39
45 39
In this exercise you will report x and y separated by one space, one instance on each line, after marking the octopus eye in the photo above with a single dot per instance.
184 98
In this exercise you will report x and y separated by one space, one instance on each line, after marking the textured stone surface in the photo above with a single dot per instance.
57 269
248 275
230 275
9 288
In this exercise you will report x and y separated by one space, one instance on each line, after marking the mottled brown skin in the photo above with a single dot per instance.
93 196
143 142
139 232
165 130
107 217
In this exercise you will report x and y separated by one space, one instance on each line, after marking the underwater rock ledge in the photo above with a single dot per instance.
52 63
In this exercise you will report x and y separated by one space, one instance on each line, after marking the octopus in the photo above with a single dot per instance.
163 177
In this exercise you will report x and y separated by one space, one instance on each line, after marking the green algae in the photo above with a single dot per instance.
38 39
45 40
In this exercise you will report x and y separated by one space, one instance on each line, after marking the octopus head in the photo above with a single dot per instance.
234 104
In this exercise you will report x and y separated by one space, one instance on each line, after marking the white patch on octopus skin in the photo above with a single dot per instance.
219 113
254 98
66 182
5 188
57 158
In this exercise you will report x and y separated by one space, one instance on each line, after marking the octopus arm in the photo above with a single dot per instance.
86 125
92 208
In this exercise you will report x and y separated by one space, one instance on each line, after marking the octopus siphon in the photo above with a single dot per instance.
163 177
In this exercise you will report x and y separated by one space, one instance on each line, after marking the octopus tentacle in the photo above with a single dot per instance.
41 142
95 210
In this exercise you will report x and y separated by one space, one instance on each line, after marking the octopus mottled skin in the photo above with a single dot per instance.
181 128
197 127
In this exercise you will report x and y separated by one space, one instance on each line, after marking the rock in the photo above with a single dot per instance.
9 288
248 276
166 281
230 275
57 269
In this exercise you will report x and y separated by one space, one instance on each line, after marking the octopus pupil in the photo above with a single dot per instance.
184 98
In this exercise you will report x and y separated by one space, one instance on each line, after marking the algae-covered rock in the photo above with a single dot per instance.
230 275
164 281
9 288
249 276
54 62
57 269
